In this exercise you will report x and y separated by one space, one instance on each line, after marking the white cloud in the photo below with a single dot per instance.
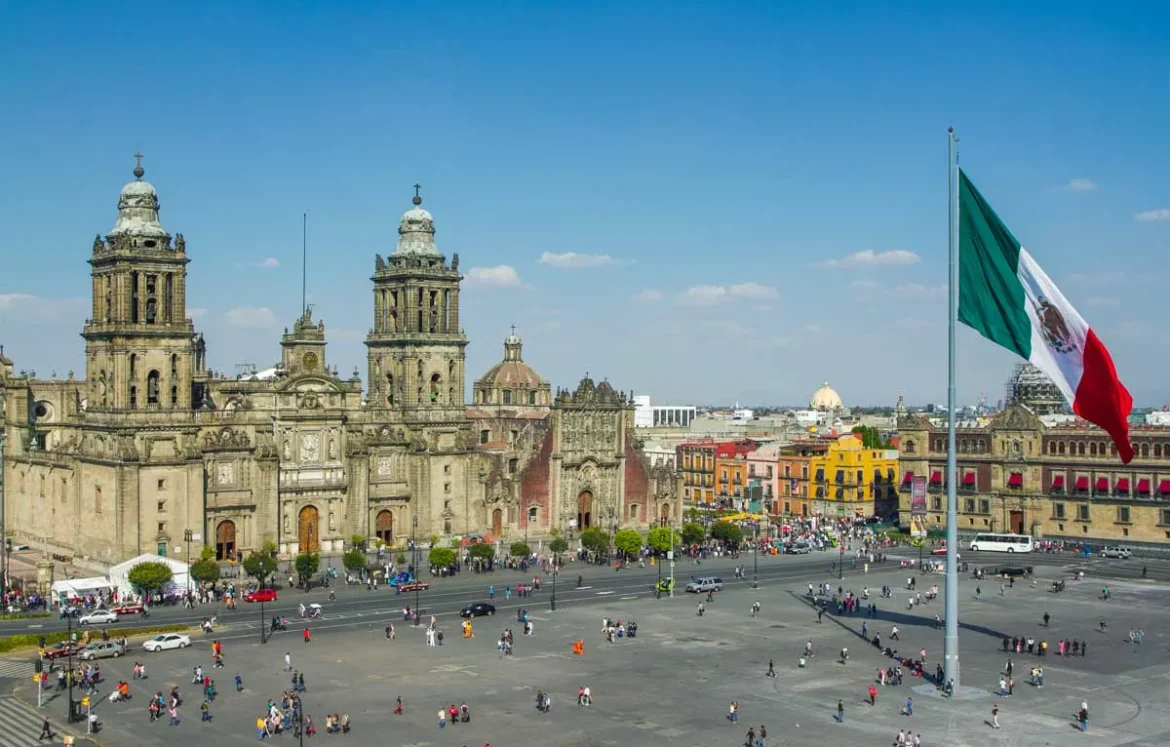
250 316
500 276
870 258
813 328
1081 184
575 261
11 300
1153 215
649 295
918 289
1102 301
196 314
268 263
707 295
864 284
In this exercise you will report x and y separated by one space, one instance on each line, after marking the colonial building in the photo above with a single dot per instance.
151 447
852 480
1053 475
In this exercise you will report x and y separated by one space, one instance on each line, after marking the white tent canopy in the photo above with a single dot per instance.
120 574
80 587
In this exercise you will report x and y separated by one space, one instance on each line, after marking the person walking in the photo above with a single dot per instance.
771 669
908 710
205 710
872 695
46 730
840 711
239 683
308 636
287 661
442 717
995 717
1046 619
1083 715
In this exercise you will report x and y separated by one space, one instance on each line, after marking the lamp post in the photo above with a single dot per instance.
187 537
69 671
414 552
756 559
3 506
300 711
841 560
553 602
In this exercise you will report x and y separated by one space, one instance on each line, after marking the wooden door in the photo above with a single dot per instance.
497 523
584 510
309 531
1017 522
384 527
225 540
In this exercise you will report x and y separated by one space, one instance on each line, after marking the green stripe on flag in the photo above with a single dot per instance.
991 297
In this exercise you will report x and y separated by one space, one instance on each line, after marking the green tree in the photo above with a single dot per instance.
520 550
205 571
261 563
150 576
207 553
595 540
558 545
357 542
662 539
628 541
306 564
455 543
693 533
483 551
400 558
441 557
730 534
871 438
354 560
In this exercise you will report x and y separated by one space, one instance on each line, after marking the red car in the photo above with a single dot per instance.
261 595
59 651
127 609
413 585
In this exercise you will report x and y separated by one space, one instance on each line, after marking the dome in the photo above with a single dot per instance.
138 208
416 231
826 398
514 374
506 382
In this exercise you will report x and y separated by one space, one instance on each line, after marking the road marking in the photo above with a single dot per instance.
583 588
603 593
16 668
19 725
626 599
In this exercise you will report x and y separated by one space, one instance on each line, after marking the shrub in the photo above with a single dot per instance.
520 550
441 557
151 575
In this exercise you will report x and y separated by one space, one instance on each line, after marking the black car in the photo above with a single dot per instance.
478 609
1012 571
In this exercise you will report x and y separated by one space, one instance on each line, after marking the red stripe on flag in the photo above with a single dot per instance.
1102 399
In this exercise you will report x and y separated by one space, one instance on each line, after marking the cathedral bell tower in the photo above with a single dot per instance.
139 343
416 349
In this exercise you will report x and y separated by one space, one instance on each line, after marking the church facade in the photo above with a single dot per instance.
152 451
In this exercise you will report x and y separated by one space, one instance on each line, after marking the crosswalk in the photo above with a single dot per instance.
17 668
20 725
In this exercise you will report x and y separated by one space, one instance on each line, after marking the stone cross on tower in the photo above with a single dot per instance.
138 170
417 198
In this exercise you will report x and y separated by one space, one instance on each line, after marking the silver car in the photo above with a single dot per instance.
1116 552
101 650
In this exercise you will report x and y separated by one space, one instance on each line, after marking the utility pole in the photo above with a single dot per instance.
3 503
553 603
414 549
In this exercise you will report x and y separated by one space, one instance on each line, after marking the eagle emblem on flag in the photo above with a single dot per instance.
1053 327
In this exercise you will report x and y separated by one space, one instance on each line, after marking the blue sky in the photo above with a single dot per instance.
756 191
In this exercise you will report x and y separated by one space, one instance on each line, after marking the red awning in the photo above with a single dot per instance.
1016 480
1144 486
935 478
1058 482
907 478
1164 487
969 478
1123 485
1102 484
1082 483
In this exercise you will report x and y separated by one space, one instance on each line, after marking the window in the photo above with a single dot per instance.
1081 449
507 396
513 436
162 507
532 398
1164 517
1145 451
513 463
484 435
162 529
532 513
1082 512
1093 449
446 487
969 505
1060 447
1058 511
936 503
1051 447
162 484
984 506
1123 515
97 499
909 447
633 511
1157 451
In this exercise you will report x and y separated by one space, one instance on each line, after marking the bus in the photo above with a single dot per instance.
1001 543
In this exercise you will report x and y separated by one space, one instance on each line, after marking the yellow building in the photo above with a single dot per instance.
851 480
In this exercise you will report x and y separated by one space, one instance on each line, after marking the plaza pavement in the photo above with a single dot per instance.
672 684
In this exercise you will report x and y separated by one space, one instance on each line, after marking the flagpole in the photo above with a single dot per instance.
951 639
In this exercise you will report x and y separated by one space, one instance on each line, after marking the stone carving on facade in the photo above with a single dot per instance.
98 245
287 451
180 243
379 263
310 447
385 466
227 438
127 449
332 448
1016 417
309 401
225 473
355 444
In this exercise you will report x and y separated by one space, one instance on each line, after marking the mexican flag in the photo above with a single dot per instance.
1007 298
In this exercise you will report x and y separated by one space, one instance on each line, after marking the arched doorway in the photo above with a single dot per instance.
584 510
309 532
225 540
665 514
497 523
384 527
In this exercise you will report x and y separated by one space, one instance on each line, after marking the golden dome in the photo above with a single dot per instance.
826 398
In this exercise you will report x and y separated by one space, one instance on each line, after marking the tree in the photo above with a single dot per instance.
207 553
455 543
871 438
306 564
520 550
441 557
151 575
662 539
595 540
205 571
483 551
628 541
693 533
261 563
730 534
400 558
357 542
354 560
558 545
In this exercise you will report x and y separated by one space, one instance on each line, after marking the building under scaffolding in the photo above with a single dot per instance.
1030 386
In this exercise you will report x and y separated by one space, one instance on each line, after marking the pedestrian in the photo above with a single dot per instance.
205 710
442 717
239 683
1083 716
174 714
46 730
872 695
909 709
1046 618
763 735
308 636
995 717
771 669
287 661
840 711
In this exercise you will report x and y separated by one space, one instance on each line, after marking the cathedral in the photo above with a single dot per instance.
152 451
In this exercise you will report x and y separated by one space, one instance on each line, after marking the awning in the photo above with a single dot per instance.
1102 484
969 478
1144 486
1082 483
1122 485
1058 482
1016 480
935 478
1164 487
907 478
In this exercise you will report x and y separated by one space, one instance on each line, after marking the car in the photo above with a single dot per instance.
98 617
799 548
1122 553
477 609
127 609
261 595
167 640
1012 571
707 583
414 586
59 651
102 650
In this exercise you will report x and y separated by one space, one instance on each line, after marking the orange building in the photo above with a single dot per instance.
697 462
731 474
796 480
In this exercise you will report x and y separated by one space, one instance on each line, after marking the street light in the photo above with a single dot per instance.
69 672
756 559
841 561
187 537
553 603
3 507
414 549
299 708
